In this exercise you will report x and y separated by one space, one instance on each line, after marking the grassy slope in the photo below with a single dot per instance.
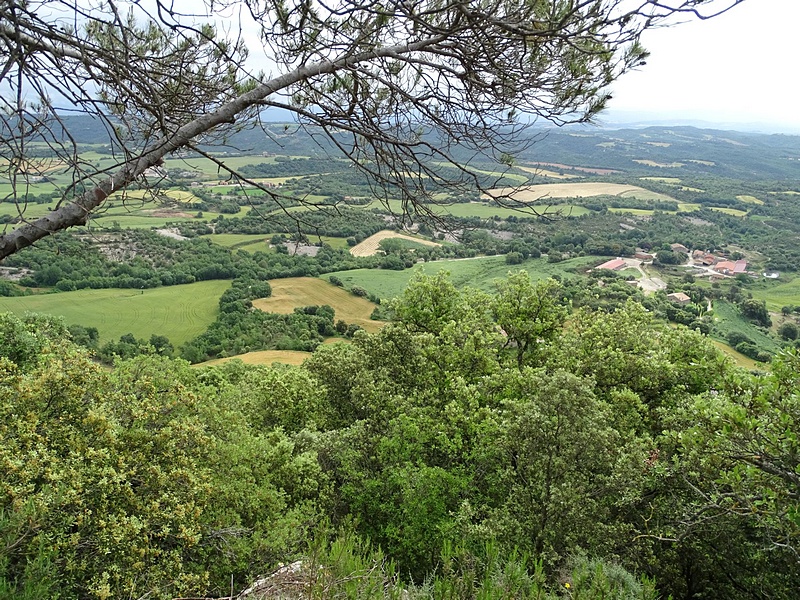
478 272
740 359
778 295
728 319
180 312
309 291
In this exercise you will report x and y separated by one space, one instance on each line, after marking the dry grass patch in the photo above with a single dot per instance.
310 291
36 166
539 172
749 199
592 170
652 163
669 180
732 142
370 246
740 359
734 212
262 357
533 193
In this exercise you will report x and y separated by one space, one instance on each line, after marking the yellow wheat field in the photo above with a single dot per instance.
370 246
533 193
309 291
263 357
537 171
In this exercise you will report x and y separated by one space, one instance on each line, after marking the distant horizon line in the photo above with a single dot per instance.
610 119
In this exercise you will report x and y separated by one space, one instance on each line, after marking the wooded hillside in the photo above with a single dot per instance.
479 446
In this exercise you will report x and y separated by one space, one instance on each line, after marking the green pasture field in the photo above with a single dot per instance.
740 359
287 294
478 272
260 241
639 212
134 214
34 189
730 211
727 319
210 169
637 274
134 221
334 242
147 197
682 207
487 211
482 210
411 244
180 312
31 211
777 295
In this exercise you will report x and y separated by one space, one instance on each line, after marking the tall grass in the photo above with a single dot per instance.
349 567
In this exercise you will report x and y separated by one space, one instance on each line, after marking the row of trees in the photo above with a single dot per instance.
144 259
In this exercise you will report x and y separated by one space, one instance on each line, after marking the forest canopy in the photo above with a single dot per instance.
474 437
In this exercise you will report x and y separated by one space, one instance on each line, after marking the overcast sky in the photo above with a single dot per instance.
740 67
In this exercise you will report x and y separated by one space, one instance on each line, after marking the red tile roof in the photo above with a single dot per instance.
613 265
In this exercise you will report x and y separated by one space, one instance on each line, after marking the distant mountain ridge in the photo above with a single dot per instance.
654 150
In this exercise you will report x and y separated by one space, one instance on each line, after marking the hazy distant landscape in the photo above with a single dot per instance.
405 300
575 196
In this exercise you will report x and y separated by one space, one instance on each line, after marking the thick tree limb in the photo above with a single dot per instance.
77 212
409 92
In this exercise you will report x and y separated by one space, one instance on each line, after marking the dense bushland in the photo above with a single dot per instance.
481 445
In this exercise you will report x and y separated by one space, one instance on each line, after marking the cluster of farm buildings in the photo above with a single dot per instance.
718 266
